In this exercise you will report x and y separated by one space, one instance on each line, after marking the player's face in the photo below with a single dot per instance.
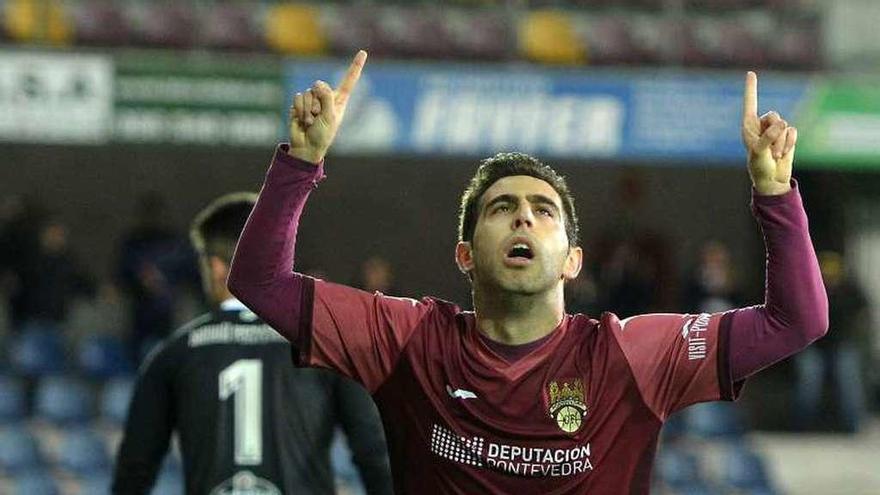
520 244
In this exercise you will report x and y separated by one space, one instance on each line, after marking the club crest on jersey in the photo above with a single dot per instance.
567 405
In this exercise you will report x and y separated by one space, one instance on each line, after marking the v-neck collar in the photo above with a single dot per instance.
485 356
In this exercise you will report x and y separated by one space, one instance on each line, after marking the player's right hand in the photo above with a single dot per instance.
317 112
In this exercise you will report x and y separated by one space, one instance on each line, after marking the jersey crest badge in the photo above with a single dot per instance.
567 405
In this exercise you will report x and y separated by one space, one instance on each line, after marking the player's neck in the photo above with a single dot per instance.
517 319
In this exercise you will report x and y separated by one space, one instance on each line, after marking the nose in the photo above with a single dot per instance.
524 218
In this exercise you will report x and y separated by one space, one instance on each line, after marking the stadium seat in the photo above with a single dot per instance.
307 39
797 47
697 488
83 453
13 401
716 420
103 356
674 428
96 485
19 452
340 458
413 32
44 22
608 40
35 483
677 468
100 23
167 25
64 401
115 399
479 34
170 479
351 27
38 350
744 470
229 26
549 36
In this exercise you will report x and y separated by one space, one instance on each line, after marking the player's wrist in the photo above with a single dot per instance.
771 187
307 155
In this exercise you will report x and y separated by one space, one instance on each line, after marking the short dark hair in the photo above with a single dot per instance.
215 229
502 165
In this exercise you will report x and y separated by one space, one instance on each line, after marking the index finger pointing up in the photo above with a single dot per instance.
351 77
750 96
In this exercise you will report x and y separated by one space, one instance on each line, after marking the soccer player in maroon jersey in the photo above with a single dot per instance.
517 396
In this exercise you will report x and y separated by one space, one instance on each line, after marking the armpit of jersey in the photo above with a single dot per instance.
676 359
359 334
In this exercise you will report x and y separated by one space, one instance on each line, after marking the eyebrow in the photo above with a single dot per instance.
531 198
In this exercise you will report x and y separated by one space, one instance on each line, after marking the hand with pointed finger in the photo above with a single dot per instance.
770 144
316 114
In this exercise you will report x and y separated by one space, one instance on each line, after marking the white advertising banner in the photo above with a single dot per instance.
55 98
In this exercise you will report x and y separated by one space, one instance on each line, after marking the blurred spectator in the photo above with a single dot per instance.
18 234
633 268
712 286
837 356
376 275
154 261
46 273
104 314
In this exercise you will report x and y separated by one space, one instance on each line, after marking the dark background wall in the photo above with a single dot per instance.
402 208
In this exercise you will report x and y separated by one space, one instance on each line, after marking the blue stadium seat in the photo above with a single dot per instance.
64 401
103 356
677 468
674 428
115 399
170 480
35 483
13 407
340 457
744 470
19 452
37 351
96 485
696 488
84 454
715 420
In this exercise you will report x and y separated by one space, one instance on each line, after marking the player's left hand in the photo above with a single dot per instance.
769 142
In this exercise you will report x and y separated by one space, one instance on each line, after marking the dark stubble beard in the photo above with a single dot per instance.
503 281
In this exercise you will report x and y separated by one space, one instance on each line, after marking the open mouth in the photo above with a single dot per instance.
520 251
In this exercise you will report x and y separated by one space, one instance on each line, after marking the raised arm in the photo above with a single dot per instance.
261 274
795 309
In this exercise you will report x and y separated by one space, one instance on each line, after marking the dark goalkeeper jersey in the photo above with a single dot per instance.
247 420
579 414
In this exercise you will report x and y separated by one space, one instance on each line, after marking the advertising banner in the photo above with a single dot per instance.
468 110
197 100
842 120
55 98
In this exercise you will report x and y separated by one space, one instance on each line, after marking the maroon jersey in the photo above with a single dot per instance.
579 414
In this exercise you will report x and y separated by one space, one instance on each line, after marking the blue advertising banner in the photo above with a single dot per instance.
477 110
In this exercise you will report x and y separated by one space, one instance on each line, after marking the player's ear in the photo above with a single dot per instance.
219 269
464 256
573 263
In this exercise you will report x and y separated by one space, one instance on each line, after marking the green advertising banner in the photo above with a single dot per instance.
840 124
197 99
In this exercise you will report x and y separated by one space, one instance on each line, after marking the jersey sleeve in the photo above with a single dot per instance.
148 427
354 332
678 359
